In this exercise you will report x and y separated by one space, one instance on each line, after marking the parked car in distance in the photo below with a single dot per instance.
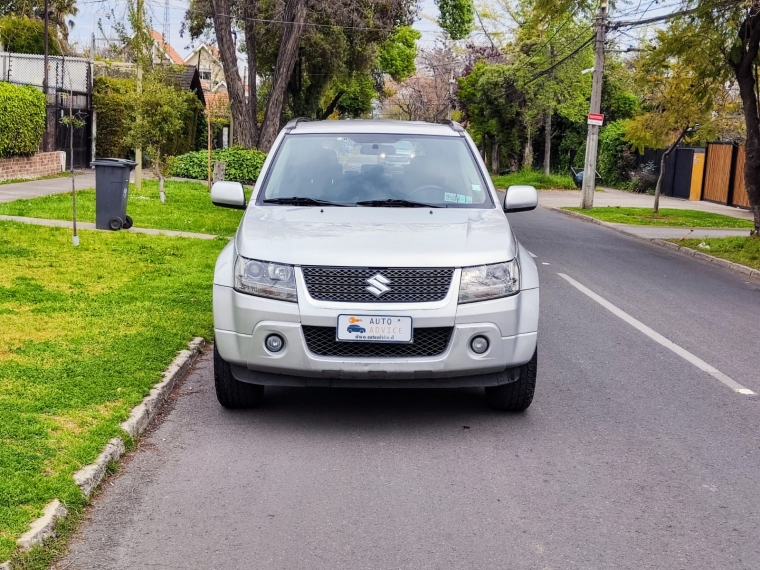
420 261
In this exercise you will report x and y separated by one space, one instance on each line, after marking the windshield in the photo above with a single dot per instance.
375 170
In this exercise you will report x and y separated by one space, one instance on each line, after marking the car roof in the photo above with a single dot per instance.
372 126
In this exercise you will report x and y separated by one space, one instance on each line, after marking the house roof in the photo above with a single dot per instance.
170 51
217 103
186 77
211 49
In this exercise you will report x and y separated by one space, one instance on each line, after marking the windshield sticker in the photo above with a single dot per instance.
457 198
476 188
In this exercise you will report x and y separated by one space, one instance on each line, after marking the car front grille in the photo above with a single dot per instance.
427 342
349 284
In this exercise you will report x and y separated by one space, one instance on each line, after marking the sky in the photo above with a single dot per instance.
90 11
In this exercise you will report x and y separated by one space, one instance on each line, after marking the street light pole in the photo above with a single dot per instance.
592 140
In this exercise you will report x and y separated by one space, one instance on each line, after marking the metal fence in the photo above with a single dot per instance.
69 87
64 73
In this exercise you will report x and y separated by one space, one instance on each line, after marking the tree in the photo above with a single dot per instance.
21 34
721 41
157 117
490 101
677 102
60 12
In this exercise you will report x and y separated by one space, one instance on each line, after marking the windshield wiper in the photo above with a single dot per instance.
397 203
301 201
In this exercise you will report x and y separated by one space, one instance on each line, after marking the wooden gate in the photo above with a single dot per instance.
739 191
718 172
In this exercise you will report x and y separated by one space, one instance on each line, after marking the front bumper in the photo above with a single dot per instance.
242 322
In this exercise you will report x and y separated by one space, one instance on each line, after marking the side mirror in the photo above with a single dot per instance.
520 199
228 195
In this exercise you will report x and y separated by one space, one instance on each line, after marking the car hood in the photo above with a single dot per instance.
375 237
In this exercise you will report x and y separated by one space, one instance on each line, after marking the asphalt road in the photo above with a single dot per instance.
630 457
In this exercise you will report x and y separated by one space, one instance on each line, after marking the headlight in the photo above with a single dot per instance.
485 282
265 279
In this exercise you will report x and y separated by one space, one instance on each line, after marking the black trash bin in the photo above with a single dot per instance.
111 192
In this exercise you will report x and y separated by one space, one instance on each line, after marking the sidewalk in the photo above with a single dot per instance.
612 197
35 188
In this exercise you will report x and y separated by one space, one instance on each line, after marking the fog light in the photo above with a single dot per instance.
479 344
274 343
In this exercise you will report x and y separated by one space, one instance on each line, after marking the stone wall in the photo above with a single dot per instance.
41 164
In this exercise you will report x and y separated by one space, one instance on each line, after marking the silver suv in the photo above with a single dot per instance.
375 254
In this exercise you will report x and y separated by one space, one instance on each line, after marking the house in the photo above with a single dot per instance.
164 53
206 58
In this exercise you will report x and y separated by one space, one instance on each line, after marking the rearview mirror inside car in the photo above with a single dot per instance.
228 194
520 199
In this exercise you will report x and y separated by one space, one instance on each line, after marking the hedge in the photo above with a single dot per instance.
22 119
243 165
110 96
110 100
20 34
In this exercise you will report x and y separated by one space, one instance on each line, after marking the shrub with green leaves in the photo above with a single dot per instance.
19 34
615 160
22 119
243 165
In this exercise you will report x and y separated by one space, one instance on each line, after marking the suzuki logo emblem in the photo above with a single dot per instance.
378 285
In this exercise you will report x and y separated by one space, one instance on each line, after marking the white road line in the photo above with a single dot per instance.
531 253
657 337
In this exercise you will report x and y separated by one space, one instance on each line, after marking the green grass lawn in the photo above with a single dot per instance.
744 250
85 333
665 217
188 208
535 179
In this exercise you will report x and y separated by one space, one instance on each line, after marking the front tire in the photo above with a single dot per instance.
518 395
231 393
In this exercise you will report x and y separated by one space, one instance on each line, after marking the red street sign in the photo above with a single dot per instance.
596 119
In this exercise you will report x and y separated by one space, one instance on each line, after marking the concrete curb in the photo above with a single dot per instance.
736 267
90 476
142 415
43 527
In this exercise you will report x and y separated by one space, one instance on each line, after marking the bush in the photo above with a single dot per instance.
242 165
19 34
644 180
22 119
614 155
110 99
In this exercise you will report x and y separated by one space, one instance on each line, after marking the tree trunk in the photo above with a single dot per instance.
665 155
251 12
495 167
161 193
528 152
332 106
547 143
749 33
295 15
235 90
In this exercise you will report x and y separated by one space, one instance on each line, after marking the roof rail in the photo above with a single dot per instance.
293 123
453 124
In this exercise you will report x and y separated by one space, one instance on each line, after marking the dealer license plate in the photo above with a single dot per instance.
374 328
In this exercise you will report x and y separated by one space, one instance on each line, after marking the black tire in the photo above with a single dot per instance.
115 223
127 223
231 393
518 395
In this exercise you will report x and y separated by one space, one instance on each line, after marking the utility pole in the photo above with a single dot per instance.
592 140
45 79
138 151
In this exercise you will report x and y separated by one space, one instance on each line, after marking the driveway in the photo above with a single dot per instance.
631 457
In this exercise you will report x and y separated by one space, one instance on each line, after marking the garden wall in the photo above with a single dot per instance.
40 164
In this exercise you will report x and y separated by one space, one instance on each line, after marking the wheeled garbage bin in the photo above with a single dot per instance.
111 192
